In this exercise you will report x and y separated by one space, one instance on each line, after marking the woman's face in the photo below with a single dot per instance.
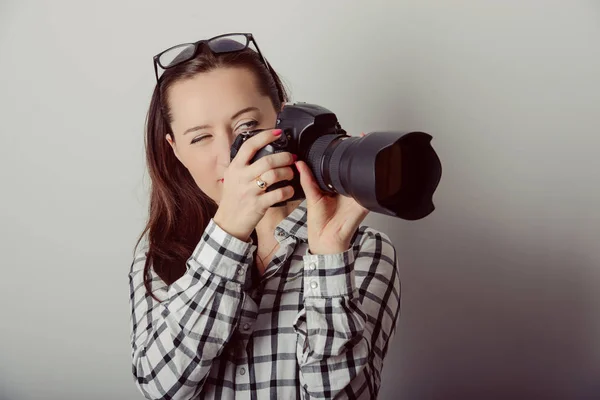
209 111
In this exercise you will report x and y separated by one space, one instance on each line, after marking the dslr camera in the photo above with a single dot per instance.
391 173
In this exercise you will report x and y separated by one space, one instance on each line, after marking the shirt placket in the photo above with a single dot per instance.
245 329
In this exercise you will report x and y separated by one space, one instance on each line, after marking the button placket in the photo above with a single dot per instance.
242 371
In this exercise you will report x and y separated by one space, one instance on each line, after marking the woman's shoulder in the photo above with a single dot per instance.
378 257
140 250
372 242
140 256
365 234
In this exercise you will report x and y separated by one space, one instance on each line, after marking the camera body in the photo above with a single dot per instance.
302 125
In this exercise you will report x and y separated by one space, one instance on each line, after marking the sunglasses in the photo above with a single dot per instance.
227 43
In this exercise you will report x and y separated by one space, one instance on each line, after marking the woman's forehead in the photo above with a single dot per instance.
213 96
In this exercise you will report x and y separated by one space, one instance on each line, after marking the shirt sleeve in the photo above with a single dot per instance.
175 341
351 307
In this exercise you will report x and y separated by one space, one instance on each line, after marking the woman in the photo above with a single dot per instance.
230 296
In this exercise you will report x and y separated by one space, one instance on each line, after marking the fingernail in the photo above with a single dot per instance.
277 132
295 157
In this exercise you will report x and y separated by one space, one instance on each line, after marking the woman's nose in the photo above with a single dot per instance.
224 150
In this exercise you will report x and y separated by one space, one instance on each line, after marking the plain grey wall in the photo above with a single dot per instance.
500 283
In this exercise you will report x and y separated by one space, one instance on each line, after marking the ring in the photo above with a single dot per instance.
261 184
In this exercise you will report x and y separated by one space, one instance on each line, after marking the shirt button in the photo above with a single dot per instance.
281 234
314 284
240 271
242 371
246 326
312 266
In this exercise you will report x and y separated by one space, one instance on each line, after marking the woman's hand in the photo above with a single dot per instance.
331 219
243 203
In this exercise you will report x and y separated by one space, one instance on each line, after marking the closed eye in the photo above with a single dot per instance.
247 125
197 139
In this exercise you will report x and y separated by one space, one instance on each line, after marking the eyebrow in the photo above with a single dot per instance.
234 116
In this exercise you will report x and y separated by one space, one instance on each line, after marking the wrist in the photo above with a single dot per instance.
328 250
237 234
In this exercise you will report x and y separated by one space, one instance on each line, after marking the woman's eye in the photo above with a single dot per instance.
247 125
197 139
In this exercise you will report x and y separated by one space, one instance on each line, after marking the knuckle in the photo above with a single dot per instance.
270 175
281 159
251 143
247 144
266 163
286 174
282 194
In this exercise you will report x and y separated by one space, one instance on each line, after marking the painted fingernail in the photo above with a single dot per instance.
295 157
277 132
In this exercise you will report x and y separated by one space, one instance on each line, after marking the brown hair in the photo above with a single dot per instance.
179 211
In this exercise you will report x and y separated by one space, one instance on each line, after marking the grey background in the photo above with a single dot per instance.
500 283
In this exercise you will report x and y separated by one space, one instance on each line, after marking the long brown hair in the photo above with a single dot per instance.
179 211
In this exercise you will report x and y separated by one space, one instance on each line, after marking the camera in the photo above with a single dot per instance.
392 173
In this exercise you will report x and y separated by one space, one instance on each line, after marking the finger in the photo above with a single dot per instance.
250 147
273 176
277 195
307 181
272 161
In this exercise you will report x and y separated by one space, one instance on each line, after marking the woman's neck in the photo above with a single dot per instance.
265 229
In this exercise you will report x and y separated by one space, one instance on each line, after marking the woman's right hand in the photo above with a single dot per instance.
243 203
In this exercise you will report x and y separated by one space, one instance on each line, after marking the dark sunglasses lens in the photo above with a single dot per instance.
228 43
176 55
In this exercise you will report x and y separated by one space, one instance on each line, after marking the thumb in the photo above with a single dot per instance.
307 181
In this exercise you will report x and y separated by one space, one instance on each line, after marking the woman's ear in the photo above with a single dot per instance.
169 139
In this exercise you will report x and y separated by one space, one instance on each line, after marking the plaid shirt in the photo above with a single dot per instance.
313 326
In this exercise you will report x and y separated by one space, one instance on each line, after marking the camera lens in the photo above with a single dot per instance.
392 173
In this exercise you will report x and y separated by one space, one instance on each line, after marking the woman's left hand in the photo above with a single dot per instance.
331 220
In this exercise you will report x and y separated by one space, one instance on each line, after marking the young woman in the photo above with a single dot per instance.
233 298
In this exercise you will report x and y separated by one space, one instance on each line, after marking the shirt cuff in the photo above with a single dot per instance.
222 254
329 275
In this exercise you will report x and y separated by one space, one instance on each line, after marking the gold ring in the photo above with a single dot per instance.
261 184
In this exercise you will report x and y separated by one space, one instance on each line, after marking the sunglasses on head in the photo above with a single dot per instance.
226 43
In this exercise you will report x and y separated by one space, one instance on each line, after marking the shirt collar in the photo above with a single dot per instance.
294 224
